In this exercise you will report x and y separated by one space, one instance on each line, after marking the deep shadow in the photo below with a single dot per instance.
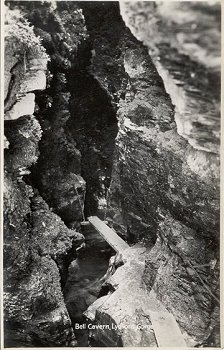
93 125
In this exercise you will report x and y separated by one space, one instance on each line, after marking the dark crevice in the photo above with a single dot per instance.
93 125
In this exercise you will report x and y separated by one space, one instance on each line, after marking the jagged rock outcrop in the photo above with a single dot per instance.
186 51
36 241
125 316
60 160
85 279
61 29
35 244
25 71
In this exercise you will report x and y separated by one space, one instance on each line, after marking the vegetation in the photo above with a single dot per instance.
20 35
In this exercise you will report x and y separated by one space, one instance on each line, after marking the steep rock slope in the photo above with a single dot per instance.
61 29
164 191
186 51
159 176
36 241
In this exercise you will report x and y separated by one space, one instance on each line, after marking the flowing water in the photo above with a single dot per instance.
85 279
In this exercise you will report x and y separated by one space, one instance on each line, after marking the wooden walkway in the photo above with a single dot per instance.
112 238
166 329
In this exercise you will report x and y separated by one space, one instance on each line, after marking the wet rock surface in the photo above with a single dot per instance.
59 158
36 241
125 316
86 275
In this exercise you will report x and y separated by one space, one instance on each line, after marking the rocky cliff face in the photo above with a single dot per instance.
164 188
59 157
184 191
129 101
36 241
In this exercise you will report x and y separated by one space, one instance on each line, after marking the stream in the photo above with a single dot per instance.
84 282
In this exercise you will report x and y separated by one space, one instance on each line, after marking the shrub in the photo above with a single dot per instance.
20 35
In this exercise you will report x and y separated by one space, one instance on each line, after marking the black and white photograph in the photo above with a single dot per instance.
111 196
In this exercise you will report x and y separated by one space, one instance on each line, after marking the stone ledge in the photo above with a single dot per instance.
25 106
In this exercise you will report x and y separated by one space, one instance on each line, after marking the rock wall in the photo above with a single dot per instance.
93 125
126 314
59 157
186 51
164 190
36 240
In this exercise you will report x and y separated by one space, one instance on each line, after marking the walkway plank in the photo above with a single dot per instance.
112 238
166 329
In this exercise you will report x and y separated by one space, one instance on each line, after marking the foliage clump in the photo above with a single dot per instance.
20 34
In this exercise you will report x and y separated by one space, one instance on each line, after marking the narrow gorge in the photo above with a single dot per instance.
112 110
